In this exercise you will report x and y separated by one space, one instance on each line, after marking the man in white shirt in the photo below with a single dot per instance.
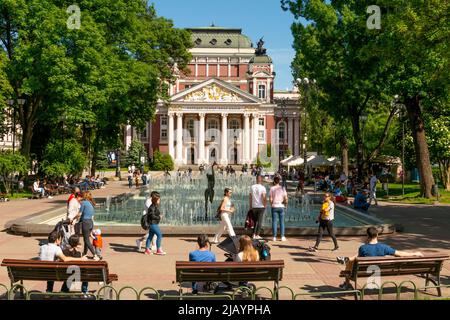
53 252
258 202
373 188
37 188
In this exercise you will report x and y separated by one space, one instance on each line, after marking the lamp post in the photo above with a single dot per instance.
363 119
283 117
305 157
401 115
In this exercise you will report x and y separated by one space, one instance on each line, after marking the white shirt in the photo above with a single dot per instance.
49 252
258 191
74 209
331 212
373 182
35 186
147 205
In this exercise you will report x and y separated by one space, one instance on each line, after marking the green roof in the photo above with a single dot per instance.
261 59
218 37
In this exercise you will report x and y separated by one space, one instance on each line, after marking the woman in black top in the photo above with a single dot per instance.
153 218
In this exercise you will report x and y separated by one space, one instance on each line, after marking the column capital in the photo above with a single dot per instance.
224 114
247 115
202 114
170 114
179 114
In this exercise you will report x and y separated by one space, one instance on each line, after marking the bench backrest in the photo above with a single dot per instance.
90 271
390 266
187 271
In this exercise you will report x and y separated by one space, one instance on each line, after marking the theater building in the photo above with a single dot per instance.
226 109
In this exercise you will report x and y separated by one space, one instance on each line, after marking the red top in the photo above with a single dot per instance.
98 243
70 198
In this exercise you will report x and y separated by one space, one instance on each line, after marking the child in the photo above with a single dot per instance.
97 243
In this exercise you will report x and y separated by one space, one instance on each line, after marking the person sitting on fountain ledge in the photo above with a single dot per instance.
372 248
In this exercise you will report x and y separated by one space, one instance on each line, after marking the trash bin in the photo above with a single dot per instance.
385 186
435 190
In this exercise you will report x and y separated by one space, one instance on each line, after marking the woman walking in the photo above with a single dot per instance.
226 209
87 222
153 219
278 203
325 220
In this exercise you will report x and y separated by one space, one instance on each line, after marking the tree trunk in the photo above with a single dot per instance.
27 135
344 149
444 171
420 145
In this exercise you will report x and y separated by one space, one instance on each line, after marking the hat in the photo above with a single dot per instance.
97 232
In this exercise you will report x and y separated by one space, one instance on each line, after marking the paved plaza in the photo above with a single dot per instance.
425 228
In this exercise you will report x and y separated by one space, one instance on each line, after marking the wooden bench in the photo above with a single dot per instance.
187 271
430 265
36 270
35 194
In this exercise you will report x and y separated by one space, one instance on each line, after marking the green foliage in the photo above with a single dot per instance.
10 164
108 73
161 162
102 160
5 92
134 152
64 160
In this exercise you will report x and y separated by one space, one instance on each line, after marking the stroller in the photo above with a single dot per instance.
230 248
62 227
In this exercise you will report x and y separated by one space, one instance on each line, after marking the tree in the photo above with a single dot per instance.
135 152
5 92
330 48
439 145
10 164
413 47
161 162
60 160
108 73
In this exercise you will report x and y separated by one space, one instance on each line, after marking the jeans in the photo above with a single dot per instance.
258 213
86 229
154 230
373 195
41 191
326 224
280 213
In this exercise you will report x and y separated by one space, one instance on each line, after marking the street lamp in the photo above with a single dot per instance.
363 119
305 156
401 115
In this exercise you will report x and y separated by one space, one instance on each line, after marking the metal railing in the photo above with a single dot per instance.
242 293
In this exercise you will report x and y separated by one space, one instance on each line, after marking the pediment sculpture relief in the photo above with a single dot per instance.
212 94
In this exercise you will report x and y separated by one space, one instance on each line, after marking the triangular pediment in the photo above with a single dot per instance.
214 90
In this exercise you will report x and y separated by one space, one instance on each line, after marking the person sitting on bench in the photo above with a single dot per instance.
37 188
203 254
53 252
361 200
372 248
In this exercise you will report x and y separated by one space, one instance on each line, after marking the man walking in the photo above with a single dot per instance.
258 202
373 188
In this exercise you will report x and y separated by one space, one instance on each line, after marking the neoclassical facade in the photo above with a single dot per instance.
226 109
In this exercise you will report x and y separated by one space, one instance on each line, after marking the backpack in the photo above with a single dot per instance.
263 250
144 222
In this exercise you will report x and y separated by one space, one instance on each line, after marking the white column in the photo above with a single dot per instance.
296 137
128 138
179 150
291 134
268 90
201 139
171 135
224 140
246 144
255 137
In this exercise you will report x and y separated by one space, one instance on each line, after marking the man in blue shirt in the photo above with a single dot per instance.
361 201
203 254
372 248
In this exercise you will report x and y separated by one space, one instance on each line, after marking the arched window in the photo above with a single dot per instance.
262 91
234 124
281 131
212 129
190 127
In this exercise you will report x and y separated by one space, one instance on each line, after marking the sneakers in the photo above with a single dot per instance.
346 286
312 249
283 239
342 260
96 258
257 237
138 244
159 252
274 239
50 197
148 251
335 248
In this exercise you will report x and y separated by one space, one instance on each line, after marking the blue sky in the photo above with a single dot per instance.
256 18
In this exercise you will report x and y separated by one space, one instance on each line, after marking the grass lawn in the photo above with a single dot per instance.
20 195
411 194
